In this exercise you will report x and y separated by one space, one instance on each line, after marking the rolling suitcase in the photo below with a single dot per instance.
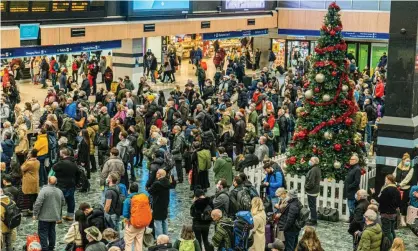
269 232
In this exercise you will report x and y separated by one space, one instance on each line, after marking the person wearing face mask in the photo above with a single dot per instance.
403 176
313 179
357 223
389 200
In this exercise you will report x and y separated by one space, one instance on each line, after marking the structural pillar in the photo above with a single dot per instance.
398 130
128 60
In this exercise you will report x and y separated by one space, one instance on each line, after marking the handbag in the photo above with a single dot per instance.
328 214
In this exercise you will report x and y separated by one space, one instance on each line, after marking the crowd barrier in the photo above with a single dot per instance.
331 191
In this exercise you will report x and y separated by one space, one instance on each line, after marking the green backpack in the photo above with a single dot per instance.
276 129
186 245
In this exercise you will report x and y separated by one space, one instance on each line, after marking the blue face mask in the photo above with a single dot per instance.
310 163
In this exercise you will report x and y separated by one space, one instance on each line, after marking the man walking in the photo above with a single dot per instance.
160 192
66 171
47 210
313 179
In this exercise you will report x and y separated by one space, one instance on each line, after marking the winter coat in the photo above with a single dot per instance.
96 246
71 109
197 209
249 160
4 113
357 223
156 164
30 179
113 164
7 147
259 232
352 182
389 199
67 173
73 235
162 247
221 238
178 146
380 90
4 200
242 99
371 238
403 176
223 169
313 178
262 152
160 192
289 215
275 181
92 130
49 204
104 123
240 129
41 144
204 160
96 218
208 92
227 141
221 201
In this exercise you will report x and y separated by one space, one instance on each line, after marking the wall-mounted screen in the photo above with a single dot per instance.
231 5
160 5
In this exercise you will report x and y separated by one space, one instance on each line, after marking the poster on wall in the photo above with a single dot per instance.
236 5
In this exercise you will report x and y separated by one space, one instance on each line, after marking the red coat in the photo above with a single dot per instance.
159 123
271 121
380 90
51 66
258 107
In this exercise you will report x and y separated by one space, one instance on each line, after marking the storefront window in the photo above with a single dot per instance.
297 52
377 51
363 56
312 4
365 5
278 47
313 45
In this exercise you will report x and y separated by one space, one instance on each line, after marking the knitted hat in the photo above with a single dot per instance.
293 193
277 244
406 156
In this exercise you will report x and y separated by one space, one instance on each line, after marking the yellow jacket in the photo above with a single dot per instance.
6 200
41 144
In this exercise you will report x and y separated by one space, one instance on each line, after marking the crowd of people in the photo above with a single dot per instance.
49 149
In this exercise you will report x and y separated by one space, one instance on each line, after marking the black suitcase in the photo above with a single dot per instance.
247 81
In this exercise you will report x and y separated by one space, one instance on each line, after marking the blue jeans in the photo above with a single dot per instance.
160 227
43 176
351 206
274 201
115 218
46 232
54 78
312 207
369 131
69 200
291 240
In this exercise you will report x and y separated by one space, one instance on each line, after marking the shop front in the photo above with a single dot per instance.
293 46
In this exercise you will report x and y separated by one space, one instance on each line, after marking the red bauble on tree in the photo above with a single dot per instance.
306 85
324 28
361 144
292 160
317 89
349 121
332 32
348 142
334 73
338 147
314 150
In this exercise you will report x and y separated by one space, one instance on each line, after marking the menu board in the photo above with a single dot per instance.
2 6
79 5
59 6
19 6
40 6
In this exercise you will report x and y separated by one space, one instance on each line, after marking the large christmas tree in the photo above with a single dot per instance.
325 126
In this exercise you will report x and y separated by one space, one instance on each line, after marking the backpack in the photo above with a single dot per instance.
253 192
302 217
243 200
56 66
128 153
374 113
52 148
276 129
186 245
120 198
123 190
12 216
164 127
102 143
206 214
83 183
169 162
243 224
141 215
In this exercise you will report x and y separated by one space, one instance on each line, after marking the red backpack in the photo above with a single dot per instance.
141 215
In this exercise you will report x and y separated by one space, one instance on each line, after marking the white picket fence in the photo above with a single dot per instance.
331 191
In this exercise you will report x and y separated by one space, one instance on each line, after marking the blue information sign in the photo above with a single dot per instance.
232 34
346 34
59 49
29 31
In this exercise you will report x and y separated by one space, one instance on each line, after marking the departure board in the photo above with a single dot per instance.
97 3
59 6
79 5
40 6
3 7
19 6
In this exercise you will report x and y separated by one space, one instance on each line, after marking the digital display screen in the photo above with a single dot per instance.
79 5
19 6
97 3
40 6
158 5
244 4
2 6
59 6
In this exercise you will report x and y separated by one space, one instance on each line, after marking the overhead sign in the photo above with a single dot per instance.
59 49
78 32
232 34
29 31
346 34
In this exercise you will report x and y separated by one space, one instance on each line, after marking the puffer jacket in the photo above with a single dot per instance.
223 169
7 147
371 238
113 164
92 130
178 146
156 164
197 209
289 215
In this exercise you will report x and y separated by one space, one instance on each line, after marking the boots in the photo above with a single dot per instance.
403 221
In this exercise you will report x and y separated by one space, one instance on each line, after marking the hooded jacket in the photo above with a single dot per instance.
249 160
371 238
92 129
113 164
96 218
7 147
160 192
67 173
156 164
197 209
221 201
275 180
204 160
223 169
41 144
289 215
